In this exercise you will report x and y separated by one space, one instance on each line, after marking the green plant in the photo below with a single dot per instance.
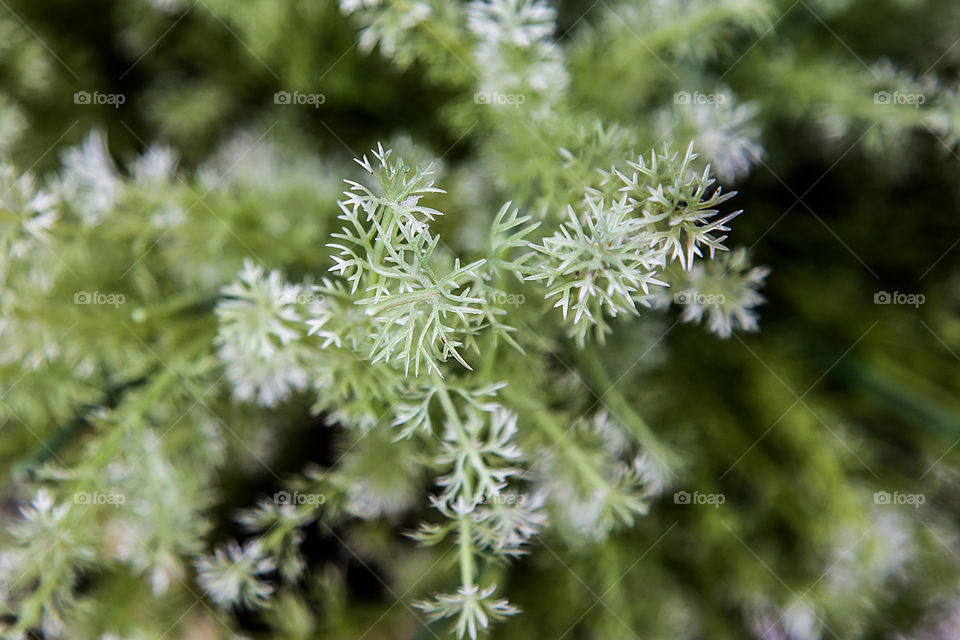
471 404
412 334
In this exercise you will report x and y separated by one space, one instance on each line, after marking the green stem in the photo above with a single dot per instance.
547 423
623 410
402 299
466 552
378 248
464 524
158 385
172 306
909 395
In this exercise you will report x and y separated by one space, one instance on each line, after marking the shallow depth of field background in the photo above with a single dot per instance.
849 389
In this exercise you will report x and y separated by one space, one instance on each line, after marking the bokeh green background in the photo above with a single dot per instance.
837 397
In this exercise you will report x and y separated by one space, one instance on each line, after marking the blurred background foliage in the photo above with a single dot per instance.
836 398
